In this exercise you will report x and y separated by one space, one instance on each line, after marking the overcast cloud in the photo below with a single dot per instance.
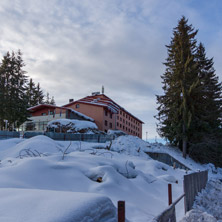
74 47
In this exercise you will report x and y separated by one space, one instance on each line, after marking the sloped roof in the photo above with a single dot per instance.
104 101
40 106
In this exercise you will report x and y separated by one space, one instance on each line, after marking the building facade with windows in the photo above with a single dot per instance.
41 114
107 114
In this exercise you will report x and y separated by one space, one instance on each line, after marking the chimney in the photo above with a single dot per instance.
71 100
103 90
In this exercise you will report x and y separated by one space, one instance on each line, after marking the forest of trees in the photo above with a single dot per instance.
190 110
17 92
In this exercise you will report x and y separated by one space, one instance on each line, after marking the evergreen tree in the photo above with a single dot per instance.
206 144
34 93
31 93
12 90
189 112
39 96
181 83
49 100
52 102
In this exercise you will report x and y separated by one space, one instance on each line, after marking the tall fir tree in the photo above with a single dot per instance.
14 99
191 105
180 81
206 143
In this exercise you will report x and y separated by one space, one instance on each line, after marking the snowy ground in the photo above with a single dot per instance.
41 182
208 204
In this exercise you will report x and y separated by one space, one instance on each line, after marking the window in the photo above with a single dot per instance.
77 106
43 114
120 112
124 121
110 125
120 119
117 123
120 125
123 127
106 113
106 123
111 116
117 117
123 114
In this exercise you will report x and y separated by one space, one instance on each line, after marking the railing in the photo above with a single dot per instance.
193 183
96 138
9 134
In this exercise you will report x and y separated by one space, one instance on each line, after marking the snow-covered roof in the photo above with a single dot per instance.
74 123
80 114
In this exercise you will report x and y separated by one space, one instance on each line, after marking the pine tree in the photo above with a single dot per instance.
52 102
39 96
34 93
49 100
14 99
206 142
180 82
31 93
189 112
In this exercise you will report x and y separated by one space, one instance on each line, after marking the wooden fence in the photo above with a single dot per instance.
193 183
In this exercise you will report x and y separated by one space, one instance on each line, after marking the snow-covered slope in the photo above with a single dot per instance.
46 169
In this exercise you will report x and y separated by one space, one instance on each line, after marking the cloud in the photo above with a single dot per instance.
74 47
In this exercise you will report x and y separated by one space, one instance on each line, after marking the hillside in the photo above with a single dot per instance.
47 180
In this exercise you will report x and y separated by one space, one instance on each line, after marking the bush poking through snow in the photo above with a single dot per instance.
30 153
65 151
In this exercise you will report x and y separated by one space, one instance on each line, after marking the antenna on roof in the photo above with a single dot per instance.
103 90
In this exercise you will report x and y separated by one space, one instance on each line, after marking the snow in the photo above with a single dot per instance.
210 199
38 184
81 114
54 206
198 216
73 125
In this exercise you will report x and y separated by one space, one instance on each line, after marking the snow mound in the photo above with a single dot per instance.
210 199
168 178
72 126
129 144
35 146
198 216
29 205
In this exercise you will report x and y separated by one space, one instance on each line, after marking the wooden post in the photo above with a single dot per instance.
121 211
170 194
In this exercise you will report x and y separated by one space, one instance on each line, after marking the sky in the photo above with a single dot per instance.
74 47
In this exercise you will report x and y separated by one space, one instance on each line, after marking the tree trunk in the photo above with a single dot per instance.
184 142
